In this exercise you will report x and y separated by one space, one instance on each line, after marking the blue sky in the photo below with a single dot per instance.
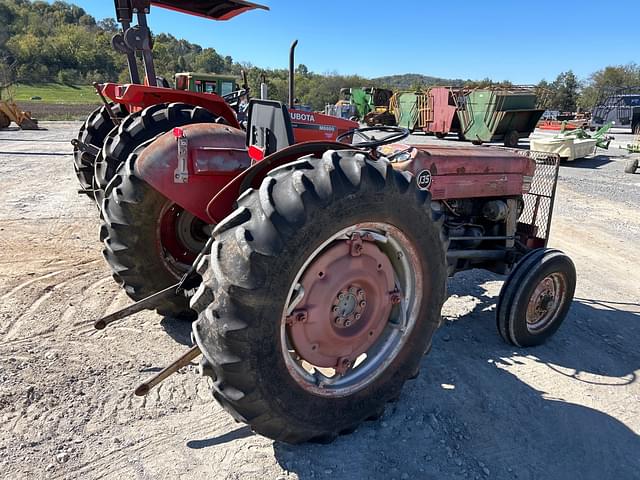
504 40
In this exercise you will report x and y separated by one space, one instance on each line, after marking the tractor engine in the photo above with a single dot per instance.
487 199
476 225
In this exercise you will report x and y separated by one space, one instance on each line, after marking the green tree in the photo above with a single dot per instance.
608 80
566 89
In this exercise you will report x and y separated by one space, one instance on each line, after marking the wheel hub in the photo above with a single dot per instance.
348 306
182 236
545 302
348 294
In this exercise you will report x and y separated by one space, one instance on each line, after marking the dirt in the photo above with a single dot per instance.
479 409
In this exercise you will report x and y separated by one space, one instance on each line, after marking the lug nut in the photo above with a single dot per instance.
395 298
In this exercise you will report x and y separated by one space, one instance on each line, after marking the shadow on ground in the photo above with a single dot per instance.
591 163
466 416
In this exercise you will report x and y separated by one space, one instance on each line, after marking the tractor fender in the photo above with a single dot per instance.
213 156
224 201
138 97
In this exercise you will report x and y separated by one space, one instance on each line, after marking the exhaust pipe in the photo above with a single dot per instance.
292 73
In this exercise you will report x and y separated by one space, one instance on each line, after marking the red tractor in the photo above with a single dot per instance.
318 270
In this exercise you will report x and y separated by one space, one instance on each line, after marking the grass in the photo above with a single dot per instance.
56 93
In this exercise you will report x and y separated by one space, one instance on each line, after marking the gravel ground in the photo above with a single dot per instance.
479 409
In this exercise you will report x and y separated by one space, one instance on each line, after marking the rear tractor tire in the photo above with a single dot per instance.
320 296
94 131
631 166
441 135
135 221
536 298
140 128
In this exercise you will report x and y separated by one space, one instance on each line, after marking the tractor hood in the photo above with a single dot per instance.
212 9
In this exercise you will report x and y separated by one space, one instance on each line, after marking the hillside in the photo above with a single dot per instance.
70 47
409 81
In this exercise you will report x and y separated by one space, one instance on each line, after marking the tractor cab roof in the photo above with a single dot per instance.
212 9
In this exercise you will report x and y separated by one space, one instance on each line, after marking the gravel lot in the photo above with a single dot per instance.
480 409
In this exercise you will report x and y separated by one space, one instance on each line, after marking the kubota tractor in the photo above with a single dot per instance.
322 266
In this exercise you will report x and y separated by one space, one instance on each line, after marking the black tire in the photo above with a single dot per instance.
511 139
129 231
441 135
138 129
631 165
461 137
477 142
4 121
255 257
517 292
94 131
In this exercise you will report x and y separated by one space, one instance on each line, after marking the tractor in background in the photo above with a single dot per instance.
317 269
371 104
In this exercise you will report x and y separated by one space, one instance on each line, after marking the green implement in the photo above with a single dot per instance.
489 115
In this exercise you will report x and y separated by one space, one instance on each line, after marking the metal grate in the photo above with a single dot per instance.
535 220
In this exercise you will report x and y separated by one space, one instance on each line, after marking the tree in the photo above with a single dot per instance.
566 91
545 94
608 80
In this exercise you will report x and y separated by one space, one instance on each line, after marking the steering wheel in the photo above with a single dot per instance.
390 135
233 98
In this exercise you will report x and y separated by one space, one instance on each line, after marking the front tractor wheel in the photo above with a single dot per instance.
536 298
320 296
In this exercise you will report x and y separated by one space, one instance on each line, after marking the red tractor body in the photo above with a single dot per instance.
218 164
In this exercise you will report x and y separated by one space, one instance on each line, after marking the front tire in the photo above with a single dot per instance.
272 371
536 298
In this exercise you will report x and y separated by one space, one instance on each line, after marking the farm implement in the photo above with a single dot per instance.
316 270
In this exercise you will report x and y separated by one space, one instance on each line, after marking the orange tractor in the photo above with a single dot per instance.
316 269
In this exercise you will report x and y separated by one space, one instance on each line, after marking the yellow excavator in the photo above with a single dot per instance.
9 112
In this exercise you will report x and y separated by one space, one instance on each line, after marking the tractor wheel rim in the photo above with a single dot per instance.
546 302
181 236
342 327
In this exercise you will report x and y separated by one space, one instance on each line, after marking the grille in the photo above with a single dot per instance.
535 220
